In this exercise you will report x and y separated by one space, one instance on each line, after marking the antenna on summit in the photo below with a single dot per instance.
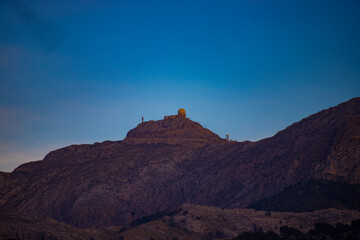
142 119
227 137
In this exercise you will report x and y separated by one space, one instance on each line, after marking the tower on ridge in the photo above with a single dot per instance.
227 137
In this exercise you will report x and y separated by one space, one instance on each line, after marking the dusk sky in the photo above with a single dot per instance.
74 72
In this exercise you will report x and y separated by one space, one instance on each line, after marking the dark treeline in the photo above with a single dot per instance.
321 231
155 216
312 195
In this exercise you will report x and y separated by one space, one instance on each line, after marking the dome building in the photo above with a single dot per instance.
181 113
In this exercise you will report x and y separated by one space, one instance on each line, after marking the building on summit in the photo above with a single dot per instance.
181 113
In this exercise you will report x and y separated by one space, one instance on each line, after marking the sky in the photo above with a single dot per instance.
74 72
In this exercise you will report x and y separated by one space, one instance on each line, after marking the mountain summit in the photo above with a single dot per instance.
162 164
172 127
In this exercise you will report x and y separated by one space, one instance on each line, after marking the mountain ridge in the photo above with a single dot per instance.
114 183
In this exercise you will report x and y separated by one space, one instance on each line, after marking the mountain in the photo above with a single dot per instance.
162 164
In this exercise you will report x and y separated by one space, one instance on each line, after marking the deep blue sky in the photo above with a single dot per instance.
86 71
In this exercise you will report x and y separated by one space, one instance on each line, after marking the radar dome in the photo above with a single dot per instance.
181 112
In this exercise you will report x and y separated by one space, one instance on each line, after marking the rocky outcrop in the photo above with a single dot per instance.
163 164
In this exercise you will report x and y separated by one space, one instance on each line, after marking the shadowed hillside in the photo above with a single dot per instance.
312 195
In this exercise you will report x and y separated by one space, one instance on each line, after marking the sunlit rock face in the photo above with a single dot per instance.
163 164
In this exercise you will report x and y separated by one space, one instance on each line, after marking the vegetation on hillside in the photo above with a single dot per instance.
319 232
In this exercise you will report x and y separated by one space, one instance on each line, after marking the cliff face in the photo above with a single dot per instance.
163 164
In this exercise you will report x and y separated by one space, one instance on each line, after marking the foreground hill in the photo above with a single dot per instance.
203 222
17 226
162 164
191 222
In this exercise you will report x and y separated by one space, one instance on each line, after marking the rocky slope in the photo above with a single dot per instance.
163 164
203 222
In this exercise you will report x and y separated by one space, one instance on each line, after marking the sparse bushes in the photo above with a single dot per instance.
219 234
172 222
184 212
324 229
312 195
355 224
155 216
252 236
216 234
319 232
289 232
341 228
270 235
